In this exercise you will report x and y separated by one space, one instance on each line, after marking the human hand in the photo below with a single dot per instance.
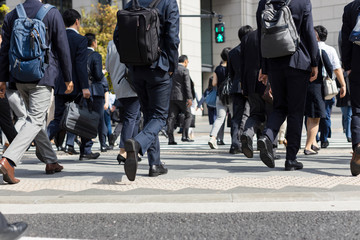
2 89
86 93
188 103
69 87
342 91
263 77
314 73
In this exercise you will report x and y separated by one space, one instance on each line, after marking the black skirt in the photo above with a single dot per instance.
315 103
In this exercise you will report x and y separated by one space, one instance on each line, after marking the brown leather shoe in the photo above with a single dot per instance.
52 168
8 172
355 161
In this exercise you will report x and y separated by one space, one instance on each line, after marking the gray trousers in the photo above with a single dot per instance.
18 107
220 116
37 101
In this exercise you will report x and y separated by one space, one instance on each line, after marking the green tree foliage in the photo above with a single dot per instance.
101 21
3 11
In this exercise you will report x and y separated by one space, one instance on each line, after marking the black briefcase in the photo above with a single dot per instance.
79 119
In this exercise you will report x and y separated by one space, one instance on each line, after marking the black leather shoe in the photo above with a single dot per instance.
325 144
13 231
315 148
89 156
308 152
220 142
354 163
277 157
156 170
106 148
235 150
266 151
172 143
71 150
349 139
186 140
247 146
291 165
132 149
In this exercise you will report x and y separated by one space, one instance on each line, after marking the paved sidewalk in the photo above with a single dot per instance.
199 180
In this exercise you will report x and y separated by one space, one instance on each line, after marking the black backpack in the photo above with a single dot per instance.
224 91
279 36
139 34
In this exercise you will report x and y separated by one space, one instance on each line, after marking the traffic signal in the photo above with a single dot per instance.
219 32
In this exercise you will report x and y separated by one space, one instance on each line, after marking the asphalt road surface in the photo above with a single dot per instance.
275 225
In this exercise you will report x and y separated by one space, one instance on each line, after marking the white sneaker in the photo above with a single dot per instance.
212 143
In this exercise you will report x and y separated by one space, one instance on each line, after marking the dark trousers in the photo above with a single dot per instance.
107 121
131 118
175 108
354 78
6 122
259 113
54 125
153 87
289 88
211 115
238 120
325 123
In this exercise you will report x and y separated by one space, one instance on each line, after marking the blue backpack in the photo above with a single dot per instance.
355 33
28 49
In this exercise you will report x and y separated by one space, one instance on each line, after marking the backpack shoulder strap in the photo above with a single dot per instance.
43 11
287 2
21 11
154 3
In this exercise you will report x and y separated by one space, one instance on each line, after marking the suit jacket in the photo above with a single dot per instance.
181 85
78 53
305 57
250 64
350 52
97 81
234 69
59 55
169 34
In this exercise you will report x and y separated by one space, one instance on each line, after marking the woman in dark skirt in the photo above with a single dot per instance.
315 104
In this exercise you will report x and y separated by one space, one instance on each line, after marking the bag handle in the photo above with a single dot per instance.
135 5
89 103
20 11
323 65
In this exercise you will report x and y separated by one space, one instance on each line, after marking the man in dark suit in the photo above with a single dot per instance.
37 94
240 108
289 77
351 60
98 87
254 91
78 53
180 101
153 86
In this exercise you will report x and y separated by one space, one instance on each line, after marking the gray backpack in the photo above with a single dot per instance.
279 36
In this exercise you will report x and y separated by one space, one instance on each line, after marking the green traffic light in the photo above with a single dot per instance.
220 38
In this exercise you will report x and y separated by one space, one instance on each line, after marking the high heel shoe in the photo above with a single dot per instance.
120 159
315 148
308 152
